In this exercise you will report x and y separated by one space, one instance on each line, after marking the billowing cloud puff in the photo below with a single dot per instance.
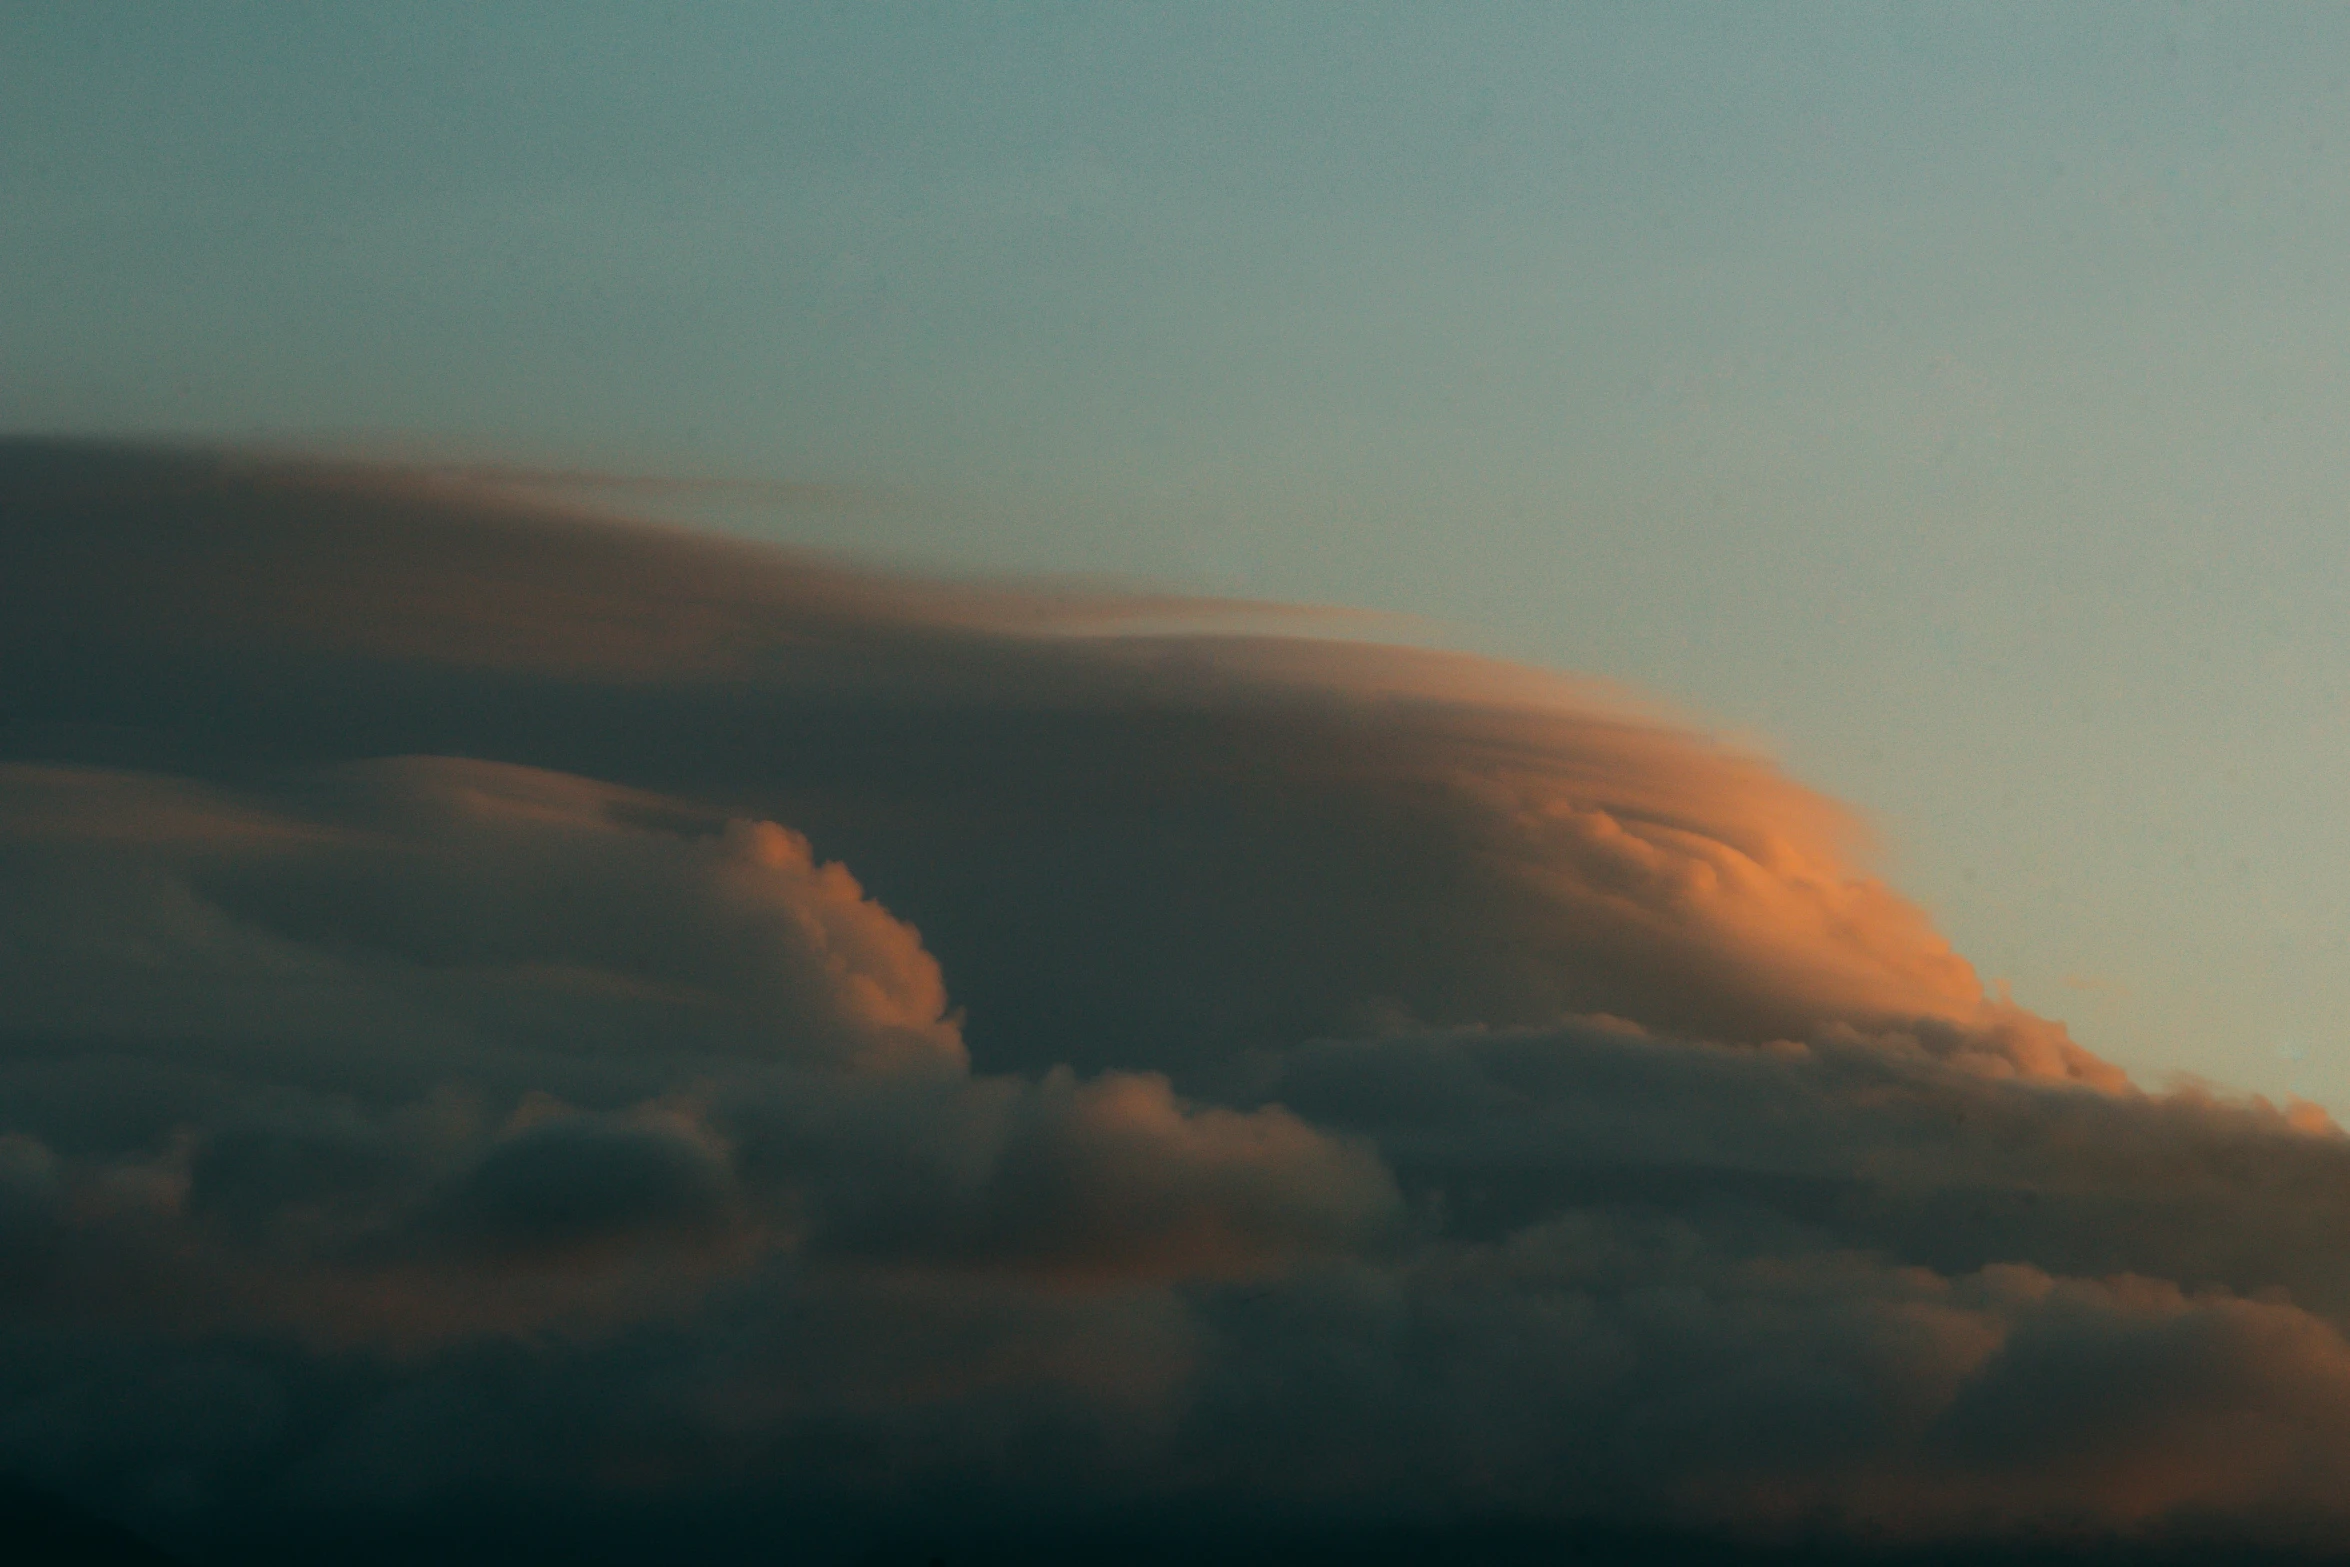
581 916
424 1031
520 1033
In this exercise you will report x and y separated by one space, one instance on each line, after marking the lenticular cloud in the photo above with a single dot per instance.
527 1036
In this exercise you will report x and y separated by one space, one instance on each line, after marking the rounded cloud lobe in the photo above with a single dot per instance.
508 1016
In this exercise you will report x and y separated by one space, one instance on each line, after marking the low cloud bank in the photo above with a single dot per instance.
524 1034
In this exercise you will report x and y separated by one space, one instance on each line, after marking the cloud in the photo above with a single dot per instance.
423 1030
1325 832
568 1184
520 1032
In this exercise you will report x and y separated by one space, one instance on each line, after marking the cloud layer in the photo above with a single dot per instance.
521 1034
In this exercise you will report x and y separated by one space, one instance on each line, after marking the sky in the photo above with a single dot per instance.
1894 452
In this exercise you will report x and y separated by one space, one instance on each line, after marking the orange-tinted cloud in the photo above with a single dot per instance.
510 1011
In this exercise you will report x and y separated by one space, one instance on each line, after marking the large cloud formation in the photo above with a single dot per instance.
531 1037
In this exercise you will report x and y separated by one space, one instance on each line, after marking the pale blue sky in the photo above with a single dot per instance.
1954 400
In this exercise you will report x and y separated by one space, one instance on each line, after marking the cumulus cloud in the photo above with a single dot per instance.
508 1016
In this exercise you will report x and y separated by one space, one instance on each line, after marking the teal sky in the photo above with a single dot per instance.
1954 401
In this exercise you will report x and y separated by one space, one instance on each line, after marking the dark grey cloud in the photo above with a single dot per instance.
526 1036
